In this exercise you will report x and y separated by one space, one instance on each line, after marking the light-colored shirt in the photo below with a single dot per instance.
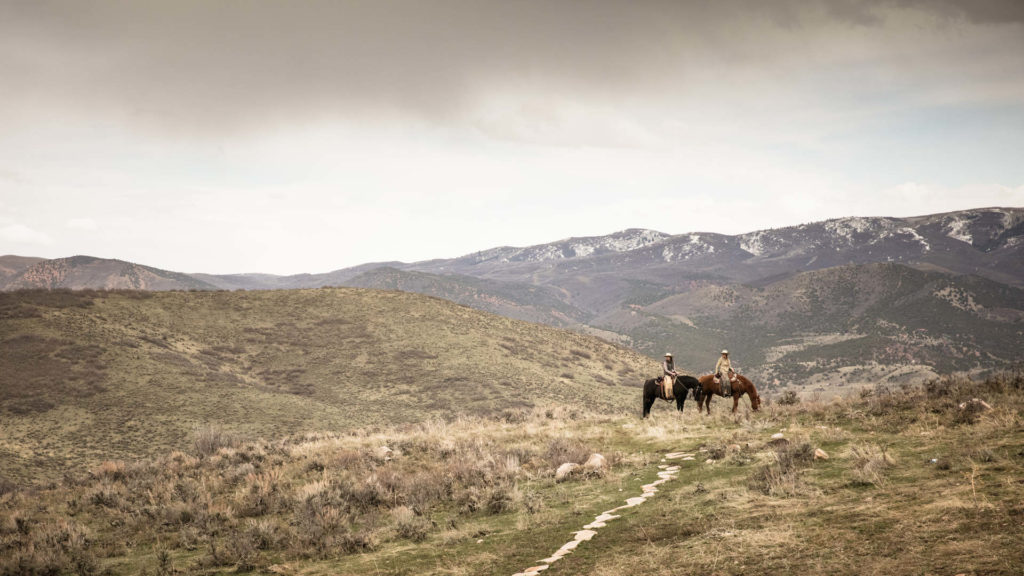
723 365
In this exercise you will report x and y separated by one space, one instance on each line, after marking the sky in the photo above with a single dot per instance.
288 136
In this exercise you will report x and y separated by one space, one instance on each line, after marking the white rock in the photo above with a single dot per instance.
777 436
565 470
820 454
977 404
596 463
584 535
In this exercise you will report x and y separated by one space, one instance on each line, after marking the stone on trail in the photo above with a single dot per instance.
565 470
634 501
820 454
777 436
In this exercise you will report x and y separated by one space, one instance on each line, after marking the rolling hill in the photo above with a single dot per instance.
654 291
89 375
88 272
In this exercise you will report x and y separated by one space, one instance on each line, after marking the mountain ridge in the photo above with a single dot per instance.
627 287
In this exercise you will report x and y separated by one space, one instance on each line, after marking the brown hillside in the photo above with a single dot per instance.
95 375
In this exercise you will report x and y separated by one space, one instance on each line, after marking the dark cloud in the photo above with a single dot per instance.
231 64
977 11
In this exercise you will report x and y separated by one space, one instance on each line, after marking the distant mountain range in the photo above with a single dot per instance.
825 303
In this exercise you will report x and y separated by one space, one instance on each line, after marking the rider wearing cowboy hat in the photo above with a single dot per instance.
724 365
669 375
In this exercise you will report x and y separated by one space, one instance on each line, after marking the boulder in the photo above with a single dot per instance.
596 463
777 436
565 470
975 405
820 454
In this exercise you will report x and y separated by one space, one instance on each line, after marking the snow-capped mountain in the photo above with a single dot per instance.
623 241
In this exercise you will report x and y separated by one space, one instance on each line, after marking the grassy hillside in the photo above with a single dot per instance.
513 299
912 484
85 272
89 376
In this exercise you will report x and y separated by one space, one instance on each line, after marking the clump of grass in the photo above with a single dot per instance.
789 398
562 450
781 476
409 525
870 462
210 438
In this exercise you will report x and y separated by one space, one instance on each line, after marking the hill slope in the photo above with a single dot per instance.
842 325
885 484
96 375
88 272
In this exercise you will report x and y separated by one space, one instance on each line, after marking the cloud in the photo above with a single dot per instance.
21 234
199 68
84 224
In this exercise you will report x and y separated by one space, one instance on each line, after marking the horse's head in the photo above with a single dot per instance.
755 400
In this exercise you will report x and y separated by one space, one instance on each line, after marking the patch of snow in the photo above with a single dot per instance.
624 241
678 251
913 234
582 250
957 229
753 243
845 228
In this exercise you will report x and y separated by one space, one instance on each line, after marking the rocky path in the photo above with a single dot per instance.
667 472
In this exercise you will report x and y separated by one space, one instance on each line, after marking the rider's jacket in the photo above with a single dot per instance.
723 366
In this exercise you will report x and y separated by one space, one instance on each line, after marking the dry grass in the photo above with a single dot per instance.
476 495
118 376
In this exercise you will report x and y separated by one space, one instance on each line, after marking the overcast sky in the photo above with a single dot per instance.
305 136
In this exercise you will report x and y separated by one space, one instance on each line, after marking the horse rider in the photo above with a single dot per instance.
724 366
669 375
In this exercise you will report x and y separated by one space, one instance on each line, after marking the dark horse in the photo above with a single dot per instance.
681 387
740 387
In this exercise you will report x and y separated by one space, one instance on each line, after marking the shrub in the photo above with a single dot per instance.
504 497
869 463
210 438
266 534
6 486
782 476
789 398
410 525
581 353
562 450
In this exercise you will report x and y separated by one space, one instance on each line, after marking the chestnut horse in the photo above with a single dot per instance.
680 389
740 387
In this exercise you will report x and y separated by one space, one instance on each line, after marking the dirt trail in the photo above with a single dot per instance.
667 473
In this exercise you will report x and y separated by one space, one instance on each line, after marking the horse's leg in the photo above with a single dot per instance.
680 400
648 402
735 402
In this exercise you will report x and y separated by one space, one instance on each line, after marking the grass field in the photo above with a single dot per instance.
912 485
93 376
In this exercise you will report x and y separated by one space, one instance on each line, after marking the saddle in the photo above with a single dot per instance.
665 384
726 388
